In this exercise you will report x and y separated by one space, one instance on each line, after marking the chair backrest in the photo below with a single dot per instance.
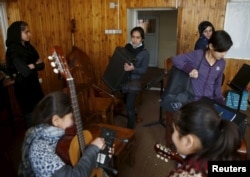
241 79
167 66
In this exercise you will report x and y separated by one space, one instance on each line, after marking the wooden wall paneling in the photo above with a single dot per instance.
13 11
99 26
88 32
52 28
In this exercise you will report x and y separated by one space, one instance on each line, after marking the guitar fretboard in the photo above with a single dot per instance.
77 114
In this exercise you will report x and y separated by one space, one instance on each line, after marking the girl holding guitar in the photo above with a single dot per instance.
53 115
201 135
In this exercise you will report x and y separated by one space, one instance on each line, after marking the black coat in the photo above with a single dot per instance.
28 90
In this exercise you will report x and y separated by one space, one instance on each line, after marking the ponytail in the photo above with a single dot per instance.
227 143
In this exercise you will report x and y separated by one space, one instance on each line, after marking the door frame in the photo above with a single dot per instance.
156 60
132 16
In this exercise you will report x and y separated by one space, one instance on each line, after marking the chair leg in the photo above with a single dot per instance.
108 115
243 149
169 129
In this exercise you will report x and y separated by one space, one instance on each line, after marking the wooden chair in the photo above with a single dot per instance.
167 66
90 102
243 149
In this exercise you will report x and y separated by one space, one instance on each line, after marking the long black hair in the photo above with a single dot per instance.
139 29
203 25
14 32
220 138
221 41
55 103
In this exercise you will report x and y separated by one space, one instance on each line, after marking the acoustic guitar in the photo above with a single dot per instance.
75 148
166 154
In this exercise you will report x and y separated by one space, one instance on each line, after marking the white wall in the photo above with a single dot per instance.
237 24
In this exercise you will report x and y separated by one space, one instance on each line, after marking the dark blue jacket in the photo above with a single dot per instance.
134 79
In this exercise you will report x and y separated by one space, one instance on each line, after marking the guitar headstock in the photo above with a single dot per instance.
59 63
166 154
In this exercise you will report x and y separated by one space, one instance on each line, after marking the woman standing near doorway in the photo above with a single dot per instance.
132 87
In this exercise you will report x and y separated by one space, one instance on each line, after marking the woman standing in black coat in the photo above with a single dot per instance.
23 62
132 87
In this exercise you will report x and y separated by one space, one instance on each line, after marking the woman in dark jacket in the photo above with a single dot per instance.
137 69
23 62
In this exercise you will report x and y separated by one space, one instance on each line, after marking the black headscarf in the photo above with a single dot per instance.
203 25
26 52
14 33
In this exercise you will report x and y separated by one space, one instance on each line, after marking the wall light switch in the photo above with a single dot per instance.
113 31
118 31
111 5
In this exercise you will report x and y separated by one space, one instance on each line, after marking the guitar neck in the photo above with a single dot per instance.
77 114
166 154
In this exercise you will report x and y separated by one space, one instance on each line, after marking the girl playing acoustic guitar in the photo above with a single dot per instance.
52 116
201 135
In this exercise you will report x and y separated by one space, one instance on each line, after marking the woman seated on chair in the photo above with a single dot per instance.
201 135
52 116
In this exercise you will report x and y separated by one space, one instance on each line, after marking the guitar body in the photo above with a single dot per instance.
74 148
68 147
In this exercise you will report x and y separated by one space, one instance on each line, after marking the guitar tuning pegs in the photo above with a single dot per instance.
55 70
50 57
53 64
